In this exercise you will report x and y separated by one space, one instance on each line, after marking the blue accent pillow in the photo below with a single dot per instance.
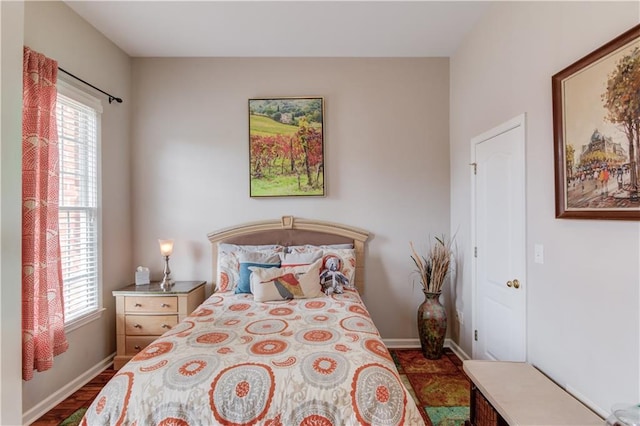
251 259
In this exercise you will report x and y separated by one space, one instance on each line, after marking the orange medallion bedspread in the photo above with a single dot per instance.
238 362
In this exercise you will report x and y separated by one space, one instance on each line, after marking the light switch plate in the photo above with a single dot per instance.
538 253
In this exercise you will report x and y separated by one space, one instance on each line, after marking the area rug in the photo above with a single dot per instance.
74 419
440 387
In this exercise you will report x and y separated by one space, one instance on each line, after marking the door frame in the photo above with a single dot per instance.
515 122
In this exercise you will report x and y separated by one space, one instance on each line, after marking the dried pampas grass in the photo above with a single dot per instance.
434 268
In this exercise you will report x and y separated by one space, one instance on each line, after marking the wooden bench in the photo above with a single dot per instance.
515 393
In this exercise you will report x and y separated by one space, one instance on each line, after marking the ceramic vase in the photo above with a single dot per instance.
432 325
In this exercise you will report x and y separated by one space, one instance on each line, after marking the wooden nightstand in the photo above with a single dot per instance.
144 312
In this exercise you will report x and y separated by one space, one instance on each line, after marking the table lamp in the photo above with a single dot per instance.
166 248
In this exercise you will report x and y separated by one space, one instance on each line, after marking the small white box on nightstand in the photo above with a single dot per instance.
142 275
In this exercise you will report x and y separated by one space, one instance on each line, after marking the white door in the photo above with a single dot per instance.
498 238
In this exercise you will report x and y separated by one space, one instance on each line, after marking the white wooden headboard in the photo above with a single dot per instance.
290 231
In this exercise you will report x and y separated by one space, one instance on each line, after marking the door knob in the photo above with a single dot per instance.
509 283
516 284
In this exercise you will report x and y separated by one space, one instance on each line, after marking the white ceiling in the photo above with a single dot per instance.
283 28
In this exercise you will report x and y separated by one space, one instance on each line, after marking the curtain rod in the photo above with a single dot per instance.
111 97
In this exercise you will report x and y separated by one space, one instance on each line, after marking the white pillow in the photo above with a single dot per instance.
310 247
299 259
298 282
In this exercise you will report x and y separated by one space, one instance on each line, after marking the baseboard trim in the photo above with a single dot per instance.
401 343
63 393
456 349
586 401
415 344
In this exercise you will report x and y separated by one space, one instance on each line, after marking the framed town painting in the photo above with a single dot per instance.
286 147
596 121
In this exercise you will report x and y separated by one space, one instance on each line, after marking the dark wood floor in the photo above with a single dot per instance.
79 399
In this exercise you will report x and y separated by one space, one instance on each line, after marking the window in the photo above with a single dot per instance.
78 119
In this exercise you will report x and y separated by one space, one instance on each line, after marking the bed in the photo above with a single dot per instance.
282 355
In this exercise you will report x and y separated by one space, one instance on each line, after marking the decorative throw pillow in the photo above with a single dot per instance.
344 252
298 282
250 259
347 262
228 272
346 256
299 259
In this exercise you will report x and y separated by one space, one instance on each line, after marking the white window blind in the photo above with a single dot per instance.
78 131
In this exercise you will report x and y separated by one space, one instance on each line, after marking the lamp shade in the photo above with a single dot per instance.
166 247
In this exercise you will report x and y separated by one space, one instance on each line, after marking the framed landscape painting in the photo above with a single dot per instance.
596 120
286 147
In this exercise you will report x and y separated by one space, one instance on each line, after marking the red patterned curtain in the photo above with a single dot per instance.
43 334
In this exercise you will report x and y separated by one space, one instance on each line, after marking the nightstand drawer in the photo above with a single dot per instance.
151 304
133 345
148 325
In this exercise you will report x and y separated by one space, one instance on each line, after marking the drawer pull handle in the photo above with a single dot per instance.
138 305
136 347
137 326
165 305
166 326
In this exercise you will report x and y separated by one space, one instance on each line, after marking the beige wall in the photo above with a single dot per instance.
584 301
386 150
54 29
11 16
